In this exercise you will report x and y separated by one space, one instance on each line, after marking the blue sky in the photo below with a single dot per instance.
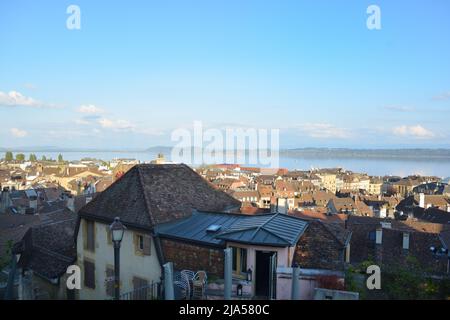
137 70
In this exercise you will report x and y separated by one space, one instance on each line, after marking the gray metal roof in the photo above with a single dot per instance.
271 229
194 228
279 230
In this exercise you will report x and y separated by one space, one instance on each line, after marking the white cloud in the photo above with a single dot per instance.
417 132
400 108
16 99
127 126
30 86
18 133
116 124
442 97
90 109
323 130
150 131
82 121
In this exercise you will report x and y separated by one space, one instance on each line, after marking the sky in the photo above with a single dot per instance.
136 71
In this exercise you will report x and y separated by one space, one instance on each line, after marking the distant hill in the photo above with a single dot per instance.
435 154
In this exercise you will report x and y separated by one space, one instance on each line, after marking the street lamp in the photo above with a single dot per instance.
249 275
117 231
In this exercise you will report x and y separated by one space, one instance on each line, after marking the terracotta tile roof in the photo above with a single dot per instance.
319 213
149 194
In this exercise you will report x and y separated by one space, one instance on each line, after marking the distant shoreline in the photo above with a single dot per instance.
305 153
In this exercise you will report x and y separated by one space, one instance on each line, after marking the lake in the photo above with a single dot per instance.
378 167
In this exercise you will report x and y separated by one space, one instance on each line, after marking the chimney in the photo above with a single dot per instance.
282 205
379 236
34 203
405 240
70 203
422 200
386 224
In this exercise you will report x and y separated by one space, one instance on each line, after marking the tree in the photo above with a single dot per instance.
20 157
9 156
60 158
44 158
33 157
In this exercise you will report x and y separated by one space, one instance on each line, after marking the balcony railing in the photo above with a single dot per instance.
150 292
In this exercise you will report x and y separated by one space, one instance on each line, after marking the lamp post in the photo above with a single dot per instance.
117 231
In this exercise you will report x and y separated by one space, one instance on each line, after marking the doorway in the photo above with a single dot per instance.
265 276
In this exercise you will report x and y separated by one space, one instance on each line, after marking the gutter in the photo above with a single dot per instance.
159 253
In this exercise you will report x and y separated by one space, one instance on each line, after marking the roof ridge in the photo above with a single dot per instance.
146 201
261 226
53 253
50 223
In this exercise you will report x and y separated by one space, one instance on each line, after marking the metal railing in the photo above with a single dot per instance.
150 292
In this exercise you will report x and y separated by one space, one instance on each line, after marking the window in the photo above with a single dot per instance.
142 244
90 235
239 260
89 274
372 236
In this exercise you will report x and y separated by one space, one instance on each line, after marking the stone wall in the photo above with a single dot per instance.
194 257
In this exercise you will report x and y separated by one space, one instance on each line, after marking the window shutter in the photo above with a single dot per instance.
89 274
147 245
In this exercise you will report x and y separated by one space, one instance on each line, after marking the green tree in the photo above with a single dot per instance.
20 157
6 259
9 156
60 158
33 157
